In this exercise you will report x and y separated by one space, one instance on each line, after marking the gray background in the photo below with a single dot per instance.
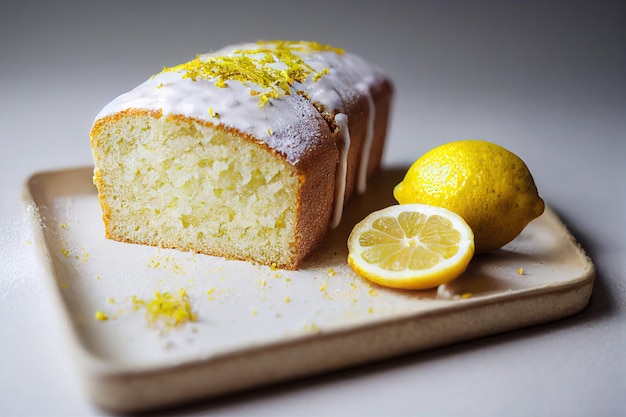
544 79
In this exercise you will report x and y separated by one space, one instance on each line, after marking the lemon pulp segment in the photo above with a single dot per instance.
411 246
411 241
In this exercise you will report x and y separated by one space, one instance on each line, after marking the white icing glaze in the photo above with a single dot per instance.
369 137
287 124
342 170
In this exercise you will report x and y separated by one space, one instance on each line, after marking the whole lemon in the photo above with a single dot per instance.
487 185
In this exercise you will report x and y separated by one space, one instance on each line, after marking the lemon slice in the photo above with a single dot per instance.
411 246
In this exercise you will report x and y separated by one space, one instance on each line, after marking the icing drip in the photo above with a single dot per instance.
342 170
369 137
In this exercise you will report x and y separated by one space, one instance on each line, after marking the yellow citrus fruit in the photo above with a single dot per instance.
412 246
487 185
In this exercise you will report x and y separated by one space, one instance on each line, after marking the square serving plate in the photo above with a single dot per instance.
256 325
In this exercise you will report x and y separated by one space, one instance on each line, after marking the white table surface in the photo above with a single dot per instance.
547 81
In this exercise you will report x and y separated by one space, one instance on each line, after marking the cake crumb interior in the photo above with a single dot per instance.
183 184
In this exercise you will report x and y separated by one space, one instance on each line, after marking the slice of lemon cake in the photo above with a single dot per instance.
249 152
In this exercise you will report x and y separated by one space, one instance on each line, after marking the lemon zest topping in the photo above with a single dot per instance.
320 74
520 271
213 114
275 66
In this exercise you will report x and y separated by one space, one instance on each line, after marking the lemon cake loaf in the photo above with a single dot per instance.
248 153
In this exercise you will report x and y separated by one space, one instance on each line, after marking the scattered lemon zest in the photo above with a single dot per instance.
63 225
101 316
287 299
273 266
65 252
111 300
210 293
170 263
170 309
269 132
520 271
331 272
466 295
311 328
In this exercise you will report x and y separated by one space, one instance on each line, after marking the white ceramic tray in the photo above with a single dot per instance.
257 326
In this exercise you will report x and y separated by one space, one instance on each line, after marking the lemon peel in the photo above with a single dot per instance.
486 184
